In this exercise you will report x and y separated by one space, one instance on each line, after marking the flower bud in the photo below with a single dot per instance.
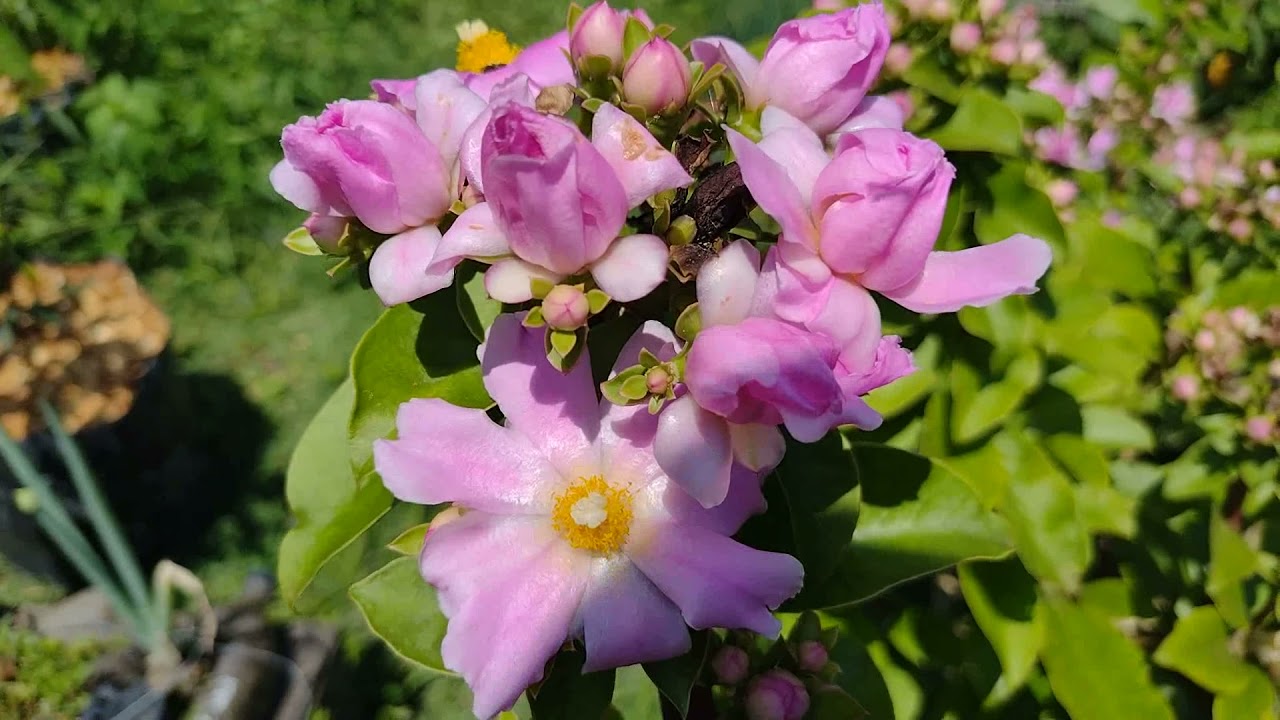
939 10
730 665
777 695
1189 197
566 308
598 31
1267 169
1240 228
657 77
1031 52
657 380
1185 387
898 58
1004 52
988 9
1205 341
1062 192
1260 429
965 37
813 656
326 230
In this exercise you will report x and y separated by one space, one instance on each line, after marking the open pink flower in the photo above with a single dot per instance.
556 202
867 219
569 529
817 68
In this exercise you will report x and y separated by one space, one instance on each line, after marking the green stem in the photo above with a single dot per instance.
103 521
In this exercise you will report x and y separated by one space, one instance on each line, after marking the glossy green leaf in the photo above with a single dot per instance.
1116 428
1231 561
917 518
1002 597
401 609
331 509
1198 648
1016 207
1095 671
981 122
996 402
422 350
1043 522
1032 105
833 703
861 656
676 677
475 307
1085 461
1105 510
567 694
1256 701
820 483
926 74
1006 324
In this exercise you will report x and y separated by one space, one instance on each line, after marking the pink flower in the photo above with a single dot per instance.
777 695
568 528
1185 387
1058 145
1173 103
367 160
326 230
657 77
877 111
965 37
1053 81
817 69
1260 429
868 219
1100 81
556 202
813 656
545 63
1099 147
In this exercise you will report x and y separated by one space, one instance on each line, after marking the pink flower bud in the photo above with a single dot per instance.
1245 321
898 58
827 5
1031 52
1100 81
988 9
566 308
1240 228
1260 429
1189 197
730 665
965 37
657 380
1004 52
916 8
1062 192
657 77
939 10
777 695
1267 169
598 31
1205 341
326 230
813 656
1185 387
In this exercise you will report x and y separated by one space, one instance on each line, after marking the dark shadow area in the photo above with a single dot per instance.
186 454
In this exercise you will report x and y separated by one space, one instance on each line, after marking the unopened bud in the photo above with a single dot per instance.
939 10
777 695
965 37
898 58
1240 228
566 308
1260 429
657 77
598 32
1205 341
988 9
731 665
813 656
1004 52
1185 387
657 380
327 231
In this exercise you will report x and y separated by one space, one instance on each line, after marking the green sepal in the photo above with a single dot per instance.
592 105
301 242
807 628
830 636
409 542
635 111
593 67
655 404
682 231
664 30
342 264
689 324
533 318
702 83
648 359
564 347
612 389
634 35
635 388
597 300
540 287
575 12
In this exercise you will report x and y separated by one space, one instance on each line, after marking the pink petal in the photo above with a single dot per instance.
795 147
851 319
757 447
853 411
511 589
692 447
558 412
444 453
976 277
516 89
508 280
627 432
727 284
445 108
398 269
744 500
298 188
627 620
644 167
632 267
875 111
473 235
773 189
802 280
716 581
736 58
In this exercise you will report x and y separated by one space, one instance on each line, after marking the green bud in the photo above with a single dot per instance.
682 230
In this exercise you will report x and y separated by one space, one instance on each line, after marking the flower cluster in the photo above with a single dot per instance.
604 176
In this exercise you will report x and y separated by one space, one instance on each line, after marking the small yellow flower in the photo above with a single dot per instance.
481 48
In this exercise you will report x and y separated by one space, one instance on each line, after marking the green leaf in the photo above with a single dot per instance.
401 609
676 677
1252 288
475 307
916 518
1002 597
567 694
1095 672
1231 561
1123 12
833 703
422 350
927 74
1032 105
1006 324
820 483
1109 260
1105 510
860 675
410 541
330 508
1255 702
996 402
1116 428
1198 648
1016 207
1040 506
1083 460
983 123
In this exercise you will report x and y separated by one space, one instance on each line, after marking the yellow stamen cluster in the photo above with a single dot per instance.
481 48
593 516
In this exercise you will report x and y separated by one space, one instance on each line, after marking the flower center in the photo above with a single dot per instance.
481 48
593 516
